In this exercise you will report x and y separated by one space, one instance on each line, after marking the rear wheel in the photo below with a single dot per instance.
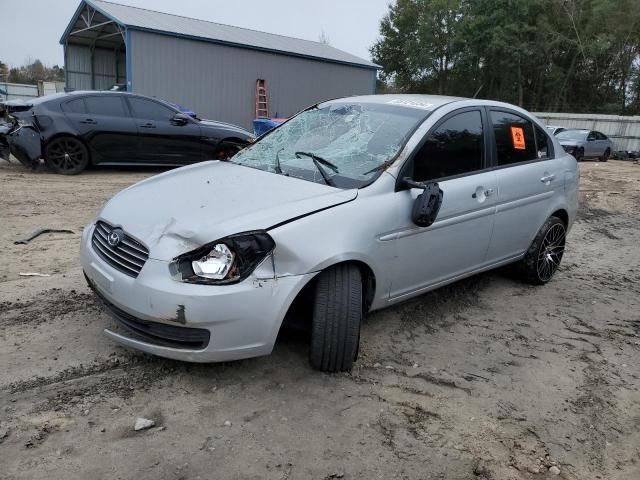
605 156
66 155
545 253
337 315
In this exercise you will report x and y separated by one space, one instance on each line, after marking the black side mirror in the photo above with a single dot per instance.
180 119
427 205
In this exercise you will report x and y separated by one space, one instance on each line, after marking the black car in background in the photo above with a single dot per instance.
74 130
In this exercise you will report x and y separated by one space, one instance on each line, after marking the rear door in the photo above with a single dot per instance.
103 121
160 141
527 177
453 154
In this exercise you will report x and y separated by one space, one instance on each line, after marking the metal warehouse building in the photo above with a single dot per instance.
208 67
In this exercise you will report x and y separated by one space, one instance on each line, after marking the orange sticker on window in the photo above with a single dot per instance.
517 135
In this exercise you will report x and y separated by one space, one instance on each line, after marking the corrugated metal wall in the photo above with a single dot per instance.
104 68
218 81
78 67
108 68
623 131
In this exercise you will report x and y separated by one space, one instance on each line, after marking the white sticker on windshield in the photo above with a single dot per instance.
411 103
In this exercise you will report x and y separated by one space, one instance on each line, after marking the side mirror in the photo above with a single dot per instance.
180 119
427 205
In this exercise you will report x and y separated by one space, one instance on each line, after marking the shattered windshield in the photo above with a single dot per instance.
340 144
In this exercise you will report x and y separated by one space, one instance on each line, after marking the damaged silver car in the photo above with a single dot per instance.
351 206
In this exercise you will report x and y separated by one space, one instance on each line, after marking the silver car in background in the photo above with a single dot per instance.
351 206
586 144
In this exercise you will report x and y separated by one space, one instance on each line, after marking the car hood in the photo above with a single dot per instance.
224 126
178 211
569 143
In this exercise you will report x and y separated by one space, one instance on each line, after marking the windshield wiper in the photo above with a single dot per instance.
318 162
277 168
332 166
382 166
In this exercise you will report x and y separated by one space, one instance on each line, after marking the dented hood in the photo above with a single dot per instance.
178 211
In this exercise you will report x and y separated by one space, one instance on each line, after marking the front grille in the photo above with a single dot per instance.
128 256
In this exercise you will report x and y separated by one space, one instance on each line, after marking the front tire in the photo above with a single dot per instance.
337 315
545 253
580 155
66 155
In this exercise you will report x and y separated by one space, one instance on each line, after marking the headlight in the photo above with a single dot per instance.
228 260
215 264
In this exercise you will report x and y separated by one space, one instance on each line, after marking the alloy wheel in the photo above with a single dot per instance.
66 154
551 251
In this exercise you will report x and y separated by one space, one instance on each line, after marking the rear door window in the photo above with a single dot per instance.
74 106
150 110
455 147
515 141
106 105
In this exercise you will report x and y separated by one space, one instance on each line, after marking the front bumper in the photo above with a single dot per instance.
242 320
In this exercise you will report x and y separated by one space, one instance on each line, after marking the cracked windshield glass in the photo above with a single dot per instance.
344 145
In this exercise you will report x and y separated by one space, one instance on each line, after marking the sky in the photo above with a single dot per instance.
32 28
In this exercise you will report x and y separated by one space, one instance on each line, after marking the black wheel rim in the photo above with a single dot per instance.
66 154
551 251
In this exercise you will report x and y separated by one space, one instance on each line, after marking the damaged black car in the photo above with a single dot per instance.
71 131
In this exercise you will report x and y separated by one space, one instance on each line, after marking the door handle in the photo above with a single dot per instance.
482 194
148 125
547 178
89 121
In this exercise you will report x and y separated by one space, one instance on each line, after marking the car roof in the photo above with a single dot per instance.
62 96
422 102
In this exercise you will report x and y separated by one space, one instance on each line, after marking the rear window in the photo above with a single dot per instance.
106 105
515 141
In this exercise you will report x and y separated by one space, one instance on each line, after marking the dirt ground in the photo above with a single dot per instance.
488 378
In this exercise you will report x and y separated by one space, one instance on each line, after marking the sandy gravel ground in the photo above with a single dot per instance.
488 378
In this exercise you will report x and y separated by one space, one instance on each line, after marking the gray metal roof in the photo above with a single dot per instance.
143 19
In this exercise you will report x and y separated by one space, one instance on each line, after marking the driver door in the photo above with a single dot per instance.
454 154
160 141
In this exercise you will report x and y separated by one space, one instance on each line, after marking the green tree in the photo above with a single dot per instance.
579 55
33 71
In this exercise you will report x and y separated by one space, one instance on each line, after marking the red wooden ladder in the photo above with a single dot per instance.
262 102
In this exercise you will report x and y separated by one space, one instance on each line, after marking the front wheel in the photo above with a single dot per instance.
66 155
337 315
580 155
545 253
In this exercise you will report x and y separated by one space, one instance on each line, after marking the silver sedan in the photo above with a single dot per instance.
586 144
350 206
